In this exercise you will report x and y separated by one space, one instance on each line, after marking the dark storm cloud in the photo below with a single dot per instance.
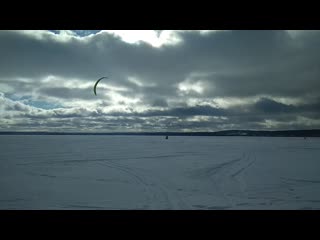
105 53
31 57
247 63
159 103
270 106
188 111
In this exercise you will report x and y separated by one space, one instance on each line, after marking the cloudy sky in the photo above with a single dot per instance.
159 80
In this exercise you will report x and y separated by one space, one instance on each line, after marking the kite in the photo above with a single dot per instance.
95 85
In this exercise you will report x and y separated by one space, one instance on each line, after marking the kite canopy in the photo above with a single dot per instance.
95 85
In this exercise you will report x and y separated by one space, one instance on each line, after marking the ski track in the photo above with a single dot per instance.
99 159
228 174
157 190
158 195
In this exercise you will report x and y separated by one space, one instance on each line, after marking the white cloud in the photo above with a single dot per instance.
187 87
141 83
62 36
167 37
300 33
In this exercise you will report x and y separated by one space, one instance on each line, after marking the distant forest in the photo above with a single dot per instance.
285 133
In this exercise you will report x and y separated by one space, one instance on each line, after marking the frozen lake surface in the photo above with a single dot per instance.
149 172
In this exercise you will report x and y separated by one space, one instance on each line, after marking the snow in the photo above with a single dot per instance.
150 172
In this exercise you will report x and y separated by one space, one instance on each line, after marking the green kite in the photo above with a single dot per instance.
95 85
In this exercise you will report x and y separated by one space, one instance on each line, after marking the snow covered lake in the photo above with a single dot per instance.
149 172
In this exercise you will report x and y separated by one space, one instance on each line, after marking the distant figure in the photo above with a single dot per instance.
166 137
305 138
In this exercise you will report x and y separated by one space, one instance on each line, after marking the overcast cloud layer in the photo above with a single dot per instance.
159 80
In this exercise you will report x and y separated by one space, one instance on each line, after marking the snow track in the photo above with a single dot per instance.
148 172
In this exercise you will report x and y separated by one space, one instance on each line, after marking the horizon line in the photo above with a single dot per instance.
234 131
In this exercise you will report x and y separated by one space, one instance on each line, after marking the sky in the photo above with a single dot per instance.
159 80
